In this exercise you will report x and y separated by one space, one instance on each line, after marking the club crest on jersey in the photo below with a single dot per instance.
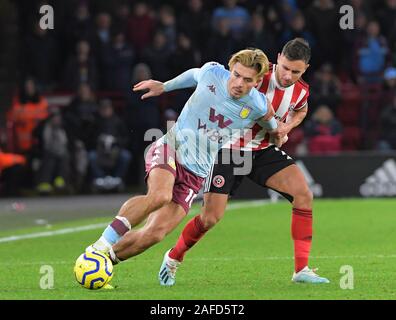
172 163
218 181
245 111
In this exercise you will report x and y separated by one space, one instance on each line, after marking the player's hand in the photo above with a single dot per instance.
279 135
278 141
155 88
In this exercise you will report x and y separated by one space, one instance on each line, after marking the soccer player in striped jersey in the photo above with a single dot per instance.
271 167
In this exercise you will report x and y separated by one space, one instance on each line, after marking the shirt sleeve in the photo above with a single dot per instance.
303 102
189 78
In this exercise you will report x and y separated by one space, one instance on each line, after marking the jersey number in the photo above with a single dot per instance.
190 198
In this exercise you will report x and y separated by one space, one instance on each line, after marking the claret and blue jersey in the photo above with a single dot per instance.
210 117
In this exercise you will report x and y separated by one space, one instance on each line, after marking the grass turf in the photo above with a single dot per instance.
248 255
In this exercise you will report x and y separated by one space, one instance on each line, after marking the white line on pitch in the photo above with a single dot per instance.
232 206
53 233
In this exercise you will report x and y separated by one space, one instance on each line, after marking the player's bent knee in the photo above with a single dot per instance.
160 199
303 198
209 220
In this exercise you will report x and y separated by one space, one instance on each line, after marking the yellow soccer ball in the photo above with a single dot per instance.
93 270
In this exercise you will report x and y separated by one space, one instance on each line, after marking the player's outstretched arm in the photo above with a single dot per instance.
187 79
155 88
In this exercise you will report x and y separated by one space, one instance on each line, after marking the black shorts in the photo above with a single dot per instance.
224 177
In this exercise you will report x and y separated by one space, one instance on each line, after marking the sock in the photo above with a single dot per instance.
191 234
113 233
301 229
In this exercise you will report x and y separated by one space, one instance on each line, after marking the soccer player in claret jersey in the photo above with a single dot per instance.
178 163
271 168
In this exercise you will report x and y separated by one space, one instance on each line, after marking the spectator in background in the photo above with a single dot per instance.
122 13
236 16
79 116
52 150
40 57
109 160
12 173
323 132
157 57
388 127
325 89
372 54
297 29
80 27
167 25
392 46
195 23
184 56
389 87
221 43
27 110
323 18
351 39
387 17
102 36
117 61
80 68
275 25
141 115
260 37
140 27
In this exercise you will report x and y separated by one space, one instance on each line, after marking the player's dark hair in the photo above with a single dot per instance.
297 49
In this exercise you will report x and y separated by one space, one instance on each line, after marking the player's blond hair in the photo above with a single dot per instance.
251 58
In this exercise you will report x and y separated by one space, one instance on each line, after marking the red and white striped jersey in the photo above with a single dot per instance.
283 101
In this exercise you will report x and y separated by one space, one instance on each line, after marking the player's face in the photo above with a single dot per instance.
289 72
242 80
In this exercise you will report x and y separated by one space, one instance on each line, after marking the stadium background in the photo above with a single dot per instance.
97 50
85 67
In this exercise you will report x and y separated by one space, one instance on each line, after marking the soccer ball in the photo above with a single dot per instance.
93 270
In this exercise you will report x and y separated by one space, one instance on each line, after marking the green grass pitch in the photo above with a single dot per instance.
248 255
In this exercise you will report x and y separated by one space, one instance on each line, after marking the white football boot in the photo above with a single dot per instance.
167 273
308 275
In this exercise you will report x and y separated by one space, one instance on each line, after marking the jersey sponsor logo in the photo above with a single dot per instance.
218 181
245 111
382 182
212 88
213 117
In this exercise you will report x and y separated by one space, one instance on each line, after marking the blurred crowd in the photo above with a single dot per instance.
94 139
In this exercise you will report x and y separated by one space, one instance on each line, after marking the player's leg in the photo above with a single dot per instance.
133 211
159 223
216 190
212 211
276 170
291 181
